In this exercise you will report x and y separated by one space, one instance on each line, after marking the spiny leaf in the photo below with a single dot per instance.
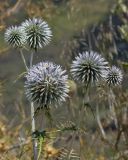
67 126
68 155
41 141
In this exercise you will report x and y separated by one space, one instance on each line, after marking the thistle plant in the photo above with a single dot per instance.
46 84
113 78
15 37
88 67
37 32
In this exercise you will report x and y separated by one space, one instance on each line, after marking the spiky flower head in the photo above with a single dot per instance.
114 76
88 67
38 33
46 84
15 37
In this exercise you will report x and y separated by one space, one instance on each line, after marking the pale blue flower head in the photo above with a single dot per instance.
89 67
38 33
15 37
46 84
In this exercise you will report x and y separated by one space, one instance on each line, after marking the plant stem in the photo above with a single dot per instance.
34 141
31 59
111 100
23 59
99 123
84 102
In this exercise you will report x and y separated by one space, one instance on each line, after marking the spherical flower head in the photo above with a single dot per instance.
38 33
88 67
114 76
15 37
46 84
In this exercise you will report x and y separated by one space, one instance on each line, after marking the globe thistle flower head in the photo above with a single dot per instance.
46 84
114 76
15 37
88 67
38 33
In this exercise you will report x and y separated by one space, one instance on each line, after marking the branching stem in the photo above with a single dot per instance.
34 141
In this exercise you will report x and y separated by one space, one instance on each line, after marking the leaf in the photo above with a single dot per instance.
41 140
67 126
68 155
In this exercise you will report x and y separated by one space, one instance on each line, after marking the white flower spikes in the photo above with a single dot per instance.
38 33
89 67
15 37
46 84
33 33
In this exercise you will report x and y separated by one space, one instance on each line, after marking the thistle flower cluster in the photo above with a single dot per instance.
91 67
35 33
15 36
114 76
46 84
38 33
88 67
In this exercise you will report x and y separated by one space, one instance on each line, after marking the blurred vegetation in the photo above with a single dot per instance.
78 25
